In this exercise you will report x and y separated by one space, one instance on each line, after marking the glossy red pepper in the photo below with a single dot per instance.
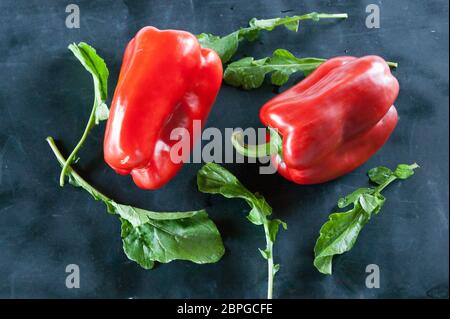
167 80
334 120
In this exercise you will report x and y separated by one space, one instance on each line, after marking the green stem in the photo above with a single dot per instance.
70 159
379 188
270 272
255 151
329 16
69 171
392 64
313 16
286 20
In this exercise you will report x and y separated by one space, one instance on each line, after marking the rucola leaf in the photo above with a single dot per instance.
96 66
193 237
337 236
339 233
214 179
149 236
249 73
227 46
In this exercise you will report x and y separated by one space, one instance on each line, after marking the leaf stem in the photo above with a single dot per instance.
70 159
270 270
284 21
69 170
330 16
379 188
311 16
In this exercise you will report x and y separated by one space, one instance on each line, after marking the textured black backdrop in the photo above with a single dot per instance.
44 91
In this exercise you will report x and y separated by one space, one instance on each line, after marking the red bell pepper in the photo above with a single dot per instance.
167 80
334 120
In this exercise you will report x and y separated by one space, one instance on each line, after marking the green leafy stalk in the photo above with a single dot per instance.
249 73
95 65
339 233
214 179
227 46
151 236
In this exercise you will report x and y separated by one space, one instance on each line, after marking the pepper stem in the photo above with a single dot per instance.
254 151
392 64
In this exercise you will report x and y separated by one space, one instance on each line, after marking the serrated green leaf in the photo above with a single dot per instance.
249 73
340 232
227 46
215 179
94 64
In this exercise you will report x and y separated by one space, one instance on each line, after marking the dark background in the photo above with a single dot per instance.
44 91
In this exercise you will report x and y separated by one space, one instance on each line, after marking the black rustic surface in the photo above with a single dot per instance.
44 91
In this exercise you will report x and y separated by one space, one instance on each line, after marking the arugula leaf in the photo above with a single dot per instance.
227 46
249 73
193 237
214 179
339 233
150 236
95 65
